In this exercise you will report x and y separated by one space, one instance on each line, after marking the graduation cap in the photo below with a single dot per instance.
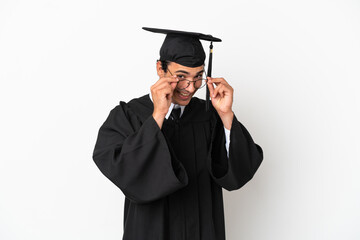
185 49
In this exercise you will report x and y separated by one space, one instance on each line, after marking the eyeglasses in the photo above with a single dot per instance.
199 82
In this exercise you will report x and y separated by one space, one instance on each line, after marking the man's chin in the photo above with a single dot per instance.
182 102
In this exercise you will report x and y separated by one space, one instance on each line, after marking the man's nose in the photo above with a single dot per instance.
191 87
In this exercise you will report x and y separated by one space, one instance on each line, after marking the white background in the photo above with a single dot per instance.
294 66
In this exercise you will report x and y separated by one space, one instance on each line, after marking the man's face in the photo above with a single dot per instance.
183 97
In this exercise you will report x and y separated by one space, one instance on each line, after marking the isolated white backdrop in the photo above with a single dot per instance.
294 66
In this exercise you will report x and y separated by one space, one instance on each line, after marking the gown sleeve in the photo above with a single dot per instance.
244 159
136 158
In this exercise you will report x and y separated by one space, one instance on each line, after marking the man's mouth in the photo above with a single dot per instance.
184 94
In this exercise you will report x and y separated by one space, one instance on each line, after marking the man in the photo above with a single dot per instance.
171 156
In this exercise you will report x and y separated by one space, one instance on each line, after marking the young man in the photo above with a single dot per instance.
170 156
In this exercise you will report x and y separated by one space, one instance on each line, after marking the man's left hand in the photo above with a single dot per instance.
222 99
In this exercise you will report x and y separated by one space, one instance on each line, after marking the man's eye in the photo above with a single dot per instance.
181 76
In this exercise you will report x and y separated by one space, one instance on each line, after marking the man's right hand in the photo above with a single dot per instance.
162 92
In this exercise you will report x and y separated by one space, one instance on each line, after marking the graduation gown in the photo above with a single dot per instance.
172 177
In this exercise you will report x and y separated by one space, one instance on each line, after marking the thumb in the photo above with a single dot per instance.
173 85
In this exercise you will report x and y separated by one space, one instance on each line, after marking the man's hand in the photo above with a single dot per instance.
162 92
222 99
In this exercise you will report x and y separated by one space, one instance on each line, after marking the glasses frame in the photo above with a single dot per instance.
191 81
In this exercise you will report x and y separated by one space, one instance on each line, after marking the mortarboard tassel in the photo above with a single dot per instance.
209 75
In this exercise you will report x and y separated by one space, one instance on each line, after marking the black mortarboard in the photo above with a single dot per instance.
185 49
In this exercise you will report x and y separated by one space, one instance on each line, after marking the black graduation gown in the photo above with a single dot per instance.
173 177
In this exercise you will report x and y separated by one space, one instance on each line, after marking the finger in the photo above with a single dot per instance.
211 80
173 85
170 79
161 85
217 81
162 90
221 91
166 87
170 92
217 89
167 80
226 89
174 77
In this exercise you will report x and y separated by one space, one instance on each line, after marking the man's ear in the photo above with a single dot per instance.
159 70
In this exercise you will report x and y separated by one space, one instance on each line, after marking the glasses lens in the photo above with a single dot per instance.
182 84
200 83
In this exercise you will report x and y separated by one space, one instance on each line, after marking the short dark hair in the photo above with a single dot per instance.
164 65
